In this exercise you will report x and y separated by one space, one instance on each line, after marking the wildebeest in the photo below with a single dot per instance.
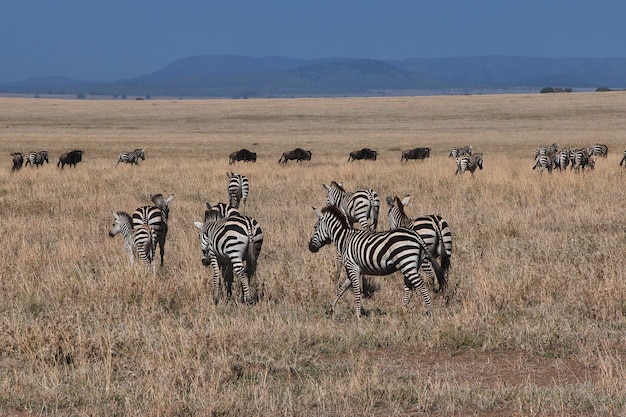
70 158
417 153
365 153
298 154
18 160
242 155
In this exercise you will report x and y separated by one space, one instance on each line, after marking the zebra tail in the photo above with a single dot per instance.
441 277
445 259
251 259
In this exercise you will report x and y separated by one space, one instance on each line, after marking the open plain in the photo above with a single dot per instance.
533 321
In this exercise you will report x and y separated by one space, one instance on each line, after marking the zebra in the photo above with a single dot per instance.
360 206
238 188
131 157
623 159
433 229
36 158
561 159
543 162
137 242
456 152
599 150
375 253
156 217
227 243
468 163
579 159
547 150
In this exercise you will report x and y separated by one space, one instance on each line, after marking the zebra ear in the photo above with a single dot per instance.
405 200
389 201
169 199
317 212
115 216
208 205
326 187
230 174
198 224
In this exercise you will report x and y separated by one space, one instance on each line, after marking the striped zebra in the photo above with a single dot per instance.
375 253
433 229
238 188
226 243
156 217
131 157
547 150
599 150
579 160
623 159
138 242
561 159
36 158
360 206
543 162
468 163
457 152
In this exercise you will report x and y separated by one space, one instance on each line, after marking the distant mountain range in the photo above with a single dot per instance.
243 76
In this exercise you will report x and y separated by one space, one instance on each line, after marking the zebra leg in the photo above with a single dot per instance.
354 274
413 277
340 290
338 265
216 279
243 279
161 249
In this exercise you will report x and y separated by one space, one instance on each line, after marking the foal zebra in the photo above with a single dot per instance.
156 217
375 253
227 243
131 157
360 206
137 242
238 188
36 158
433 229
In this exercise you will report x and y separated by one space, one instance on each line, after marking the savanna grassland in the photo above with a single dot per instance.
533 321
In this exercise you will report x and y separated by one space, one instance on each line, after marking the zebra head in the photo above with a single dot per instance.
330 220
140 154
122 223
335 193
204 238
396 212
162 203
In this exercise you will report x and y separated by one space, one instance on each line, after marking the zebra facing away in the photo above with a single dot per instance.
131 157
238 188
137 242
375 253
156 217
433 229
36 158
227 243
599 150
468 163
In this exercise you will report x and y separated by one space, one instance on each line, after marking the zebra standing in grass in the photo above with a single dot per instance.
137 242
375 253
223 210
433 229
561 159
599 150
543 162
238 188
547 150
131 157
468 163
579 159
36 158
360 206
457 152
227 243
156 217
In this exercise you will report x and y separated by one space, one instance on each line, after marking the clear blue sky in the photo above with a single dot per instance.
113 39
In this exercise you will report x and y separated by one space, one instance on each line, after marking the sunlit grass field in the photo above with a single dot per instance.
533 321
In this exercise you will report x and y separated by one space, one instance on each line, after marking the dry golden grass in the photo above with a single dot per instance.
534 321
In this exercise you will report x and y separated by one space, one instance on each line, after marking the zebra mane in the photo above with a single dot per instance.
334 184
338 213
125 215
400 206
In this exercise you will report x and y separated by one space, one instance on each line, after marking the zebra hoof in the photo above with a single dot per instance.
329 312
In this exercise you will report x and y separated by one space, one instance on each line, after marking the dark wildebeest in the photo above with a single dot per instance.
70 158
298 154
18 160
417 153
242 155
365 153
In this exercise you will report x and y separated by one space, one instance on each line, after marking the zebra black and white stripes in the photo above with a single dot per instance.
432 228
138 242
238 188
361 206
156 217
131 157
375 253
36 158
468 163
228 242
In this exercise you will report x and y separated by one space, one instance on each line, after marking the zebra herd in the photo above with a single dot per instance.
466 160
553 158
71 158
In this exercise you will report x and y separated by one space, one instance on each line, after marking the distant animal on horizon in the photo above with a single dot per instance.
70 158
365 153
238 189
18 160
456 152
298 154
37 158
416 153
242 155
131 157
